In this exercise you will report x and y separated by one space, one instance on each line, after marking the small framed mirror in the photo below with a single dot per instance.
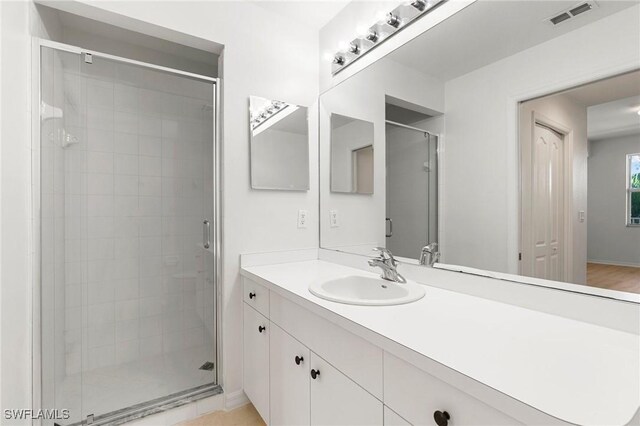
351 155
279 145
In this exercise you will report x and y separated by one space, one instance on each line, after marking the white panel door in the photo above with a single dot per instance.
289 381
547 204
338 400
256 360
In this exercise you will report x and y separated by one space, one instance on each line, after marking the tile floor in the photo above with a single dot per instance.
115 387
243 416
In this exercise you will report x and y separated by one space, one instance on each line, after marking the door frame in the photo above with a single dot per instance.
527 130
35 281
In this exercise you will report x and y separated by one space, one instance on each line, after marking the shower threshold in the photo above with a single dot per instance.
155 406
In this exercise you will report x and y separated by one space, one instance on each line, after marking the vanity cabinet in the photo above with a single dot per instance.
301 369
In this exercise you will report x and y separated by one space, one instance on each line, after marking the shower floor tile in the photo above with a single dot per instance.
112 388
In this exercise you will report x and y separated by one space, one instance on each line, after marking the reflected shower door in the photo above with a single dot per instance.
411 190
136 290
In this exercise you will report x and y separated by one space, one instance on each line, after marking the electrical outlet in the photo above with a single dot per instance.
302 218
333 218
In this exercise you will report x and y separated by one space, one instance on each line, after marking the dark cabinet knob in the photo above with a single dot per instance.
252 295
442 418
315 374
261 328
299 359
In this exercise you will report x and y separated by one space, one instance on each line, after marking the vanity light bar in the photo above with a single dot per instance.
388 25
266 113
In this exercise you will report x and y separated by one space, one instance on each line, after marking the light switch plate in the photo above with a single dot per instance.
333 218
302 218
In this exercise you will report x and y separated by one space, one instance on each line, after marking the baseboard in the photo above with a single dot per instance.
235 399
610 262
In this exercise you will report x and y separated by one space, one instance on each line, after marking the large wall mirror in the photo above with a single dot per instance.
279 145
509 142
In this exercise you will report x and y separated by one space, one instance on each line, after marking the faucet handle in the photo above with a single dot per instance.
385 254
430 248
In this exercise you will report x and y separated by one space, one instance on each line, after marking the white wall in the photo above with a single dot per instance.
264 55
15 186
609 239
481 123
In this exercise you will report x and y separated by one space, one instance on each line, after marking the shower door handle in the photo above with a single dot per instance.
390 234
206 234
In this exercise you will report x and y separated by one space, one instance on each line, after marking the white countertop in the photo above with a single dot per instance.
578 372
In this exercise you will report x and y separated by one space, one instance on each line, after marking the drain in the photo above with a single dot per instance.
207 366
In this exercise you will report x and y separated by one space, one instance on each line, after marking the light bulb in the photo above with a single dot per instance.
343 46
639 112
362 31
328 56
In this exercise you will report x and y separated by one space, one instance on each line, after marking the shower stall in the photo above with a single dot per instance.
411 158
126 194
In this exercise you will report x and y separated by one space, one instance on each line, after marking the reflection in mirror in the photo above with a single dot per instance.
279 145
575 151
351 155
516 158
411 183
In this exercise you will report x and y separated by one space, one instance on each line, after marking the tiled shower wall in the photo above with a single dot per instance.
138 185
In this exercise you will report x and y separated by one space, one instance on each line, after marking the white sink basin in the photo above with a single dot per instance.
360 290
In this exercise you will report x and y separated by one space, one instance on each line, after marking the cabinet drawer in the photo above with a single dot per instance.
416 396
256 296
352 355
256 329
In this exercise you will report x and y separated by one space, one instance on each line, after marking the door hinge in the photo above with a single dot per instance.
88 58
519 256
89 419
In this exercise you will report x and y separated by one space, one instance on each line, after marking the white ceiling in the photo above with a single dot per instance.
489 30
612 105
312 13
613 119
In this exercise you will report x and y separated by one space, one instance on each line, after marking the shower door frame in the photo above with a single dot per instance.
161 404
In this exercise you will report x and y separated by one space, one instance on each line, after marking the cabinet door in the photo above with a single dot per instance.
289 381
256 360
391 418
338 400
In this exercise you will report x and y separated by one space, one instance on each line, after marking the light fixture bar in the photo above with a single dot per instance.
389 25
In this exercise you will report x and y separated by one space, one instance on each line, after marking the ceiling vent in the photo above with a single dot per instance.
572 12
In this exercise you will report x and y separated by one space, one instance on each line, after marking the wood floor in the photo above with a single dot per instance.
613 277
243 416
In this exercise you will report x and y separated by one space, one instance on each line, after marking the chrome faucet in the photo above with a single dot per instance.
429 254
388 264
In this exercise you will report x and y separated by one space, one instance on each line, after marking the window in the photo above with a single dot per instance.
633 189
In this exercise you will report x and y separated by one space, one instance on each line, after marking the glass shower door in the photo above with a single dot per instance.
411 162
62 236
135 298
